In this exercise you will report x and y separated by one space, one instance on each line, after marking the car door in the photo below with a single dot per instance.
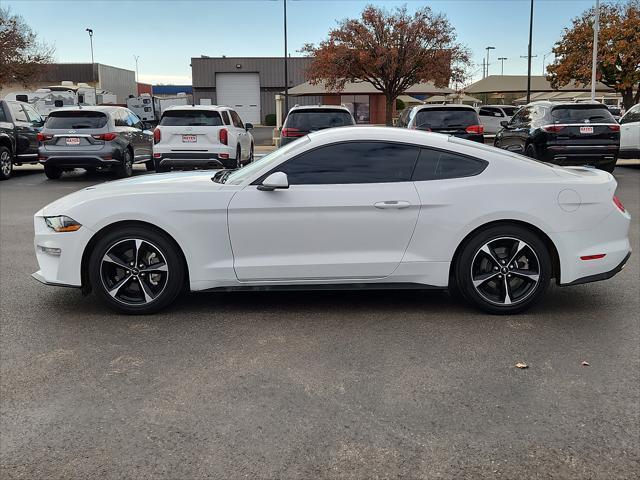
240 133
144 139
26 132
349 213
630 129
491 117
513 137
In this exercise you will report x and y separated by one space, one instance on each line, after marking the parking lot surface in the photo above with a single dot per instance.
312 384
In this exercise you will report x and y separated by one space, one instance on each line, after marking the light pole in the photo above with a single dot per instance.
529 54
488 49
136 58
594 56
544 59
502 59
93 66
286 73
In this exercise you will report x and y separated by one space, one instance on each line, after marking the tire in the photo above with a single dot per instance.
609 167
151 166
238 157
6 163
485 273
251 154
125 169
531 152
136 290
52 173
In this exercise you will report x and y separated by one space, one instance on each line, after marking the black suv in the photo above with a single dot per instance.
304 119
94 138
19 127
563 133
459 120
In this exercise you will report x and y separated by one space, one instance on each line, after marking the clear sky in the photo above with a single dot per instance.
165 34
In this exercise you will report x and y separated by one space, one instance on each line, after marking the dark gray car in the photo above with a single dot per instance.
94 138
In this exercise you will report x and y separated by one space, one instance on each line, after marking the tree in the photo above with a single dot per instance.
391 50
22 57
618 51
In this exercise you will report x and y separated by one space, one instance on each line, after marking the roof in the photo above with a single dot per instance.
564 95
330 107
518 83
440 106
90 108
362 88
213 108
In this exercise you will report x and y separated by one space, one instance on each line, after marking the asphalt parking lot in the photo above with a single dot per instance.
312 384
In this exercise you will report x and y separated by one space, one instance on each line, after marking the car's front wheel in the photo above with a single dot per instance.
136 270
503 269
125 169
6 163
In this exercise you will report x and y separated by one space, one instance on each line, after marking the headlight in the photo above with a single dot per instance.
62 223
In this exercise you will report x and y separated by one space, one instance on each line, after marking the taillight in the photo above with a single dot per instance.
552 128
479 129
223 136
292 132
618 204
106 136
157 136
614 127
43 137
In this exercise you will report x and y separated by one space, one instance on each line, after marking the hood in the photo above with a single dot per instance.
159 183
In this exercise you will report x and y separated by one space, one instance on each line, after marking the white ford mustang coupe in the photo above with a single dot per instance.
352 207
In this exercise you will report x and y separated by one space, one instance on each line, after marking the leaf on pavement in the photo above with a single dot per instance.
522 365
585 364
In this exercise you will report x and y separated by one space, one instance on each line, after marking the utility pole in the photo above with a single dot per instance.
286 72
544 58
483 68
529 54
136 57
93 66
488 49
502 59
594 57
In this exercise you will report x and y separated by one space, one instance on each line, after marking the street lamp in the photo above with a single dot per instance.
502 59
529 53
286 73
93 65
544 58
488 49
136 57
594 56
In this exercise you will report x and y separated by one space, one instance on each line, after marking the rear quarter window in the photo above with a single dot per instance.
191 118
440 165
76 120
309 120
446 117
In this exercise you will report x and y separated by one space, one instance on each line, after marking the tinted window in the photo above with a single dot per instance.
438 165
490 112
309 120
76 119
3 116
236 119
225 117
134 121
120 119
18 112
633 115
446 117
510 111
352 162
522 117
191 118
577 113
32 114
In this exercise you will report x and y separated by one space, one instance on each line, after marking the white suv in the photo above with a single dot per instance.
201 136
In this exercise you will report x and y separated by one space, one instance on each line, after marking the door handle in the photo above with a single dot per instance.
397 204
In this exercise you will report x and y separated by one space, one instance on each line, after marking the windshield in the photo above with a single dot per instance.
308 120
576 113
76 119
191 118
446 117
236 177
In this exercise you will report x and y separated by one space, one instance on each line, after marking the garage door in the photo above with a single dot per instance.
240 91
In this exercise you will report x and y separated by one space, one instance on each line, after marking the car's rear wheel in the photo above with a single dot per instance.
251 154
531 152
135 270
52 173
503 269
125 169
238 157
6 163
150 165
609 167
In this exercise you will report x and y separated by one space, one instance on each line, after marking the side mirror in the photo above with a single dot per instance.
248 126
504 123
273 181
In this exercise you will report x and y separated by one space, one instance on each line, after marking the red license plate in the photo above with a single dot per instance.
189 138
586 129
73 141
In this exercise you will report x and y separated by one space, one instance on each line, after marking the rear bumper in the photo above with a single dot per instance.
579 155
104 157
599 276
191 160
629 153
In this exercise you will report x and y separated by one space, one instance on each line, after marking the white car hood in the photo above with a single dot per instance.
163 183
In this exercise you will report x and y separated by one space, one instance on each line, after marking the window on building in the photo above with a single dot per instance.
358 105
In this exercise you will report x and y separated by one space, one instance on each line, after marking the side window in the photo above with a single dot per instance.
352 162
225 117
633 115
236 119
134 121
18 112
523 116
3 116
120 120
32 114
439 165
490 112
